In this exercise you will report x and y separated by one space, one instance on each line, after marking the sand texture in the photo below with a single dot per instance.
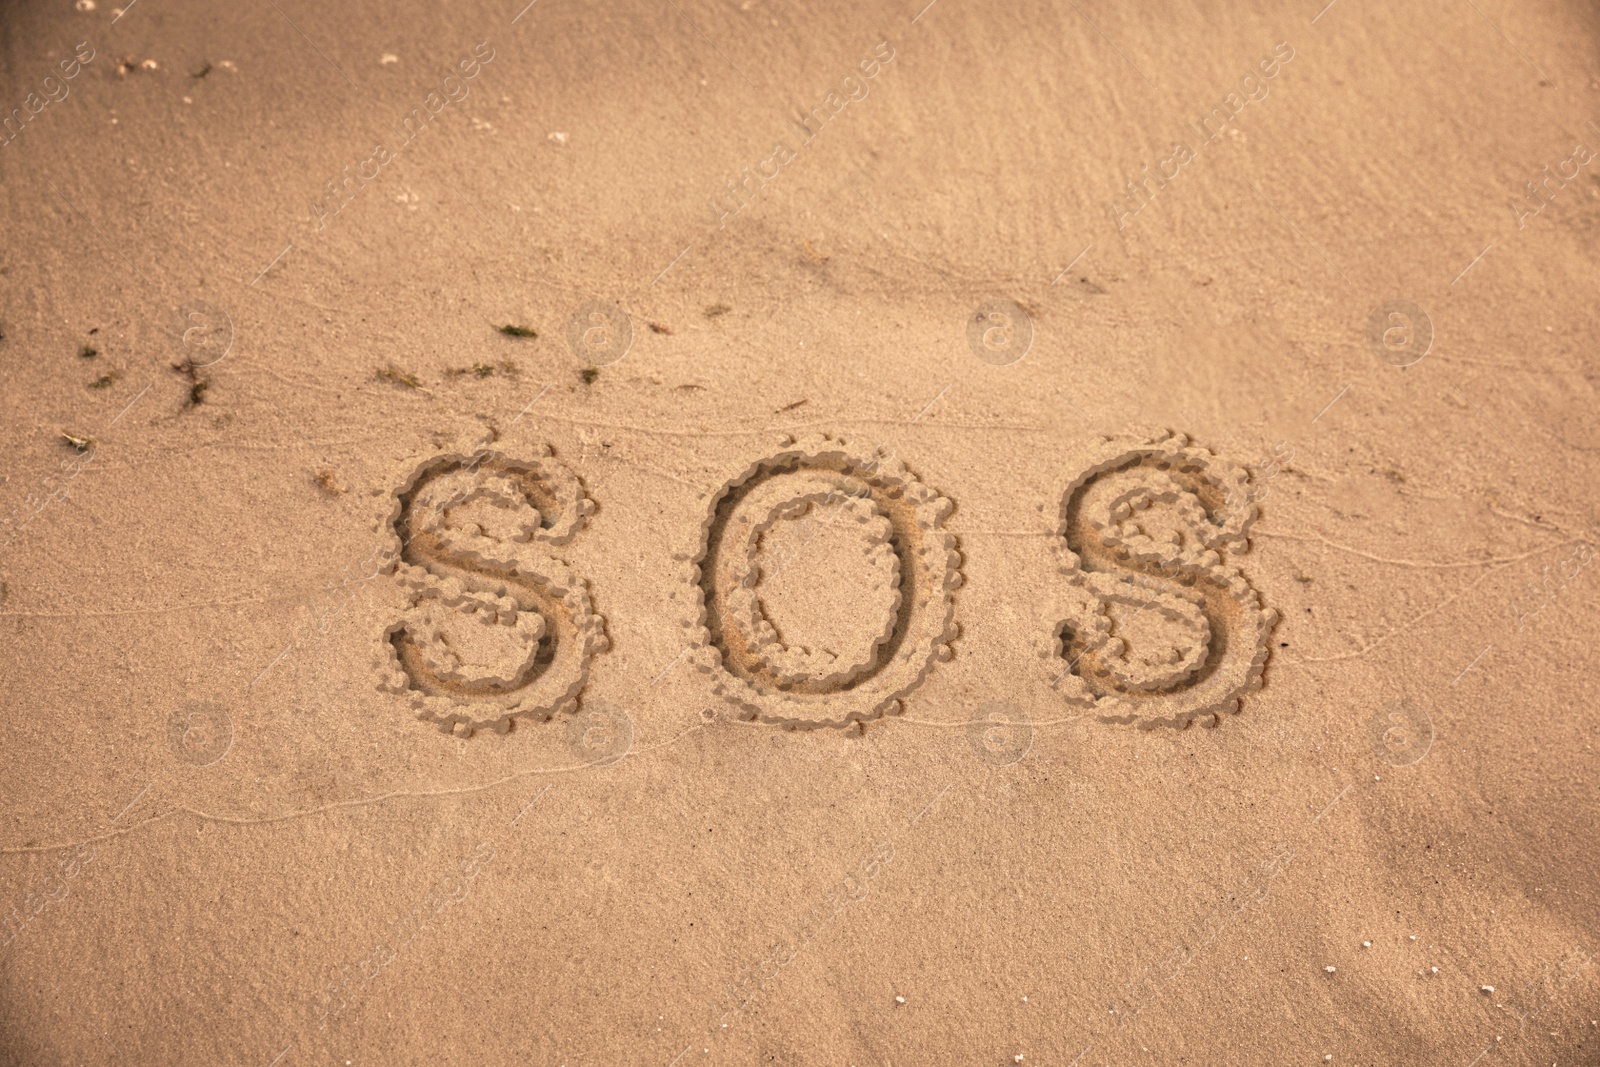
726 532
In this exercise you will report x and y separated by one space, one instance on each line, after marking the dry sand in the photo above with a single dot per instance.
1012 533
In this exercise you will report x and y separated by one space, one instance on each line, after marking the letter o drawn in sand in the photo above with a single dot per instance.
1401 733
1156 625
496 626
885 596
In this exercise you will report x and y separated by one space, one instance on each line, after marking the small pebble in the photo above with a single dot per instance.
1330 968
388 58
1436 970
899 1000
1486 989
1366 944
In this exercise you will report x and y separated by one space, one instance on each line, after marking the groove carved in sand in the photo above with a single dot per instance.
496 626
903 596
1156 626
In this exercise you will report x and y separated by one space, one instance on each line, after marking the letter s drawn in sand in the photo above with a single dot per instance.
496 625
1156 625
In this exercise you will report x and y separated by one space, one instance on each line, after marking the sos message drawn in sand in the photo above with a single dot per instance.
1154 624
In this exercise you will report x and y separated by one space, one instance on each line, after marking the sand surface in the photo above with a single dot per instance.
1000 533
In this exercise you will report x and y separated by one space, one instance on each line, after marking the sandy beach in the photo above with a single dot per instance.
730 532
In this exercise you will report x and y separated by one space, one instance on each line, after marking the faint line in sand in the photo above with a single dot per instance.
932 402
1331 803
1114 48
924 11
765 431
1362 651
532 402
1418 563
312 43
674 263
271 665
1074 263
542 792
1508 41
931 803
121 13
1474 262
472 204
1474 662
524 11
669 666
280 1055
274 263
132 802
118 612
358 802
1323 12
132 402
69 870
1332 402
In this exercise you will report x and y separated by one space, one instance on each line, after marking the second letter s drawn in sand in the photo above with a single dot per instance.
1155 624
